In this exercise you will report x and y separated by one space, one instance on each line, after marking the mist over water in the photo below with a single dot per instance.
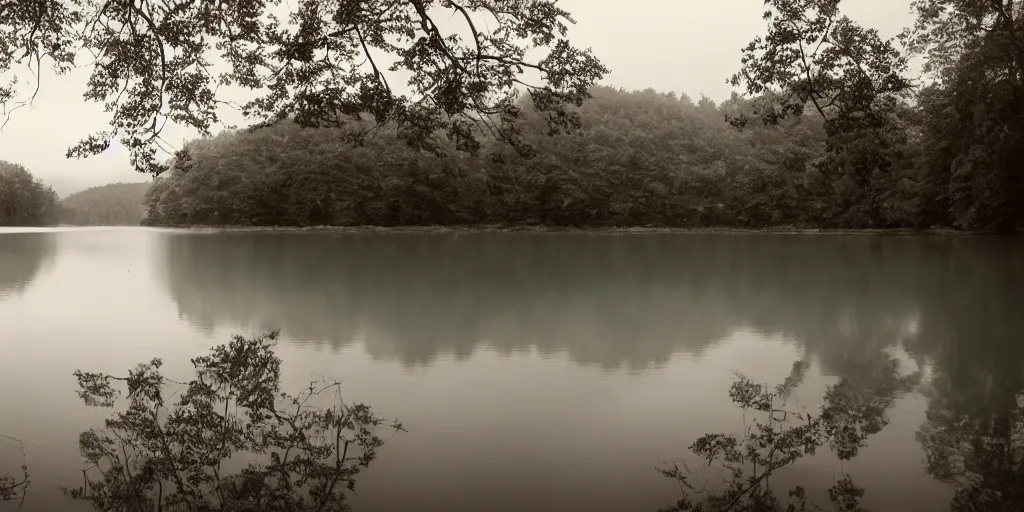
533 371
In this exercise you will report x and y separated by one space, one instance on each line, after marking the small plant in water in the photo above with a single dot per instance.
779 435
162 455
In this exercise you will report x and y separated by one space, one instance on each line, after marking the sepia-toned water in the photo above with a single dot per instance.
540 372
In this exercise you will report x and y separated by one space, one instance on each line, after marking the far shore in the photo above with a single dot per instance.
532 229
580 230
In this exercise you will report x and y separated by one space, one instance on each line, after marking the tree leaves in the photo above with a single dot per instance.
24 200
812 55
319 65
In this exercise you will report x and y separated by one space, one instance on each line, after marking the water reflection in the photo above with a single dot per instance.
22 257
604 300
974 433
952 303
515 428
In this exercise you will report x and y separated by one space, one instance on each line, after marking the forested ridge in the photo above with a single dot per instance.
117 204
640 158
829 127
833 131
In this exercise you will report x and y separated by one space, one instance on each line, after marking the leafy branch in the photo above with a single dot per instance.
160 454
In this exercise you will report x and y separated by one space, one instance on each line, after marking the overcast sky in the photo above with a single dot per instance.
684 46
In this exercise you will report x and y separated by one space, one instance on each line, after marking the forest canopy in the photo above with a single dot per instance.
639 158
955 138
832 129
832 132
24 200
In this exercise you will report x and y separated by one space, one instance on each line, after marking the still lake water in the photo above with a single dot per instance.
541 372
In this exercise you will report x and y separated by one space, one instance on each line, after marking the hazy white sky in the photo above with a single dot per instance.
688 46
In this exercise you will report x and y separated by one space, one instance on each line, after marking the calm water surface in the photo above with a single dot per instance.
534 372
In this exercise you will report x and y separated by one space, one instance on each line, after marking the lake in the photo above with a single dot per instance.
541 372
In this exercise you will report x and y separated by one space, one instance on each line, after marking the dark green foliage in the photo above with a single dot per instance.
972 124
319 63
638 158
888 153
33 32
231 441
24 200
813 55
949 156
780 434
118 204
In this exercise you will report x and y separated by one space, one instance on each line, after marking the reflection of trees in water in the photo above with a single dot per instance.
22 256
974 433
605 300
977 443
954 303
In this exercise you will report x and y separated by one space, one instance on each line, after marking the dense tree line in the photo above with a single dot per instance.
639 158
941 150
117 204
971 117
844 140
24 200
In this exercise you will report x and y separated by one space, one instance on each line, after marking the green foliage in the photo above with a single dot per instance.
108 205
887 153
945 157
157 454
31 31
780 435
813 55
638 158
318 63
973 113
24 200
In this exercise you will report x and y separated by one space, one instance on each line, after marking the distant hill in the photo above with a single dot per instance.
117 204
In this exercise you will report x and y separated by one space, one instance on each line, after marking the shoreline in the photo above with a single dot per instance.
526 229
585 230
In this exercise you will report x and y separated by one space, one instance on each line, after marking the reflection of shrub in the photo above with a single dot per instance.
779 436
160 455
14 487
